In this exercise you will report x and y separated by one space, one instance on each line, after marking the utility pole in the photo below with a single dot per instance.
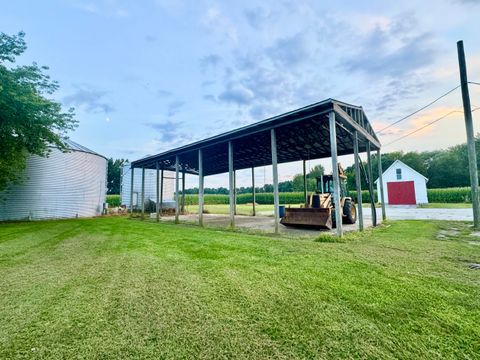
472 155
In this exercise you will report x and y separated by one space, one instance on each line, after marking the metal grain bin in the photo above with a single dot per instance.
62 185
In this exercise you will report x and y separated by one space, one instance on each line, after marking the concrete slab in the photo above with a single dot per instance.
414 213
264 222
258 223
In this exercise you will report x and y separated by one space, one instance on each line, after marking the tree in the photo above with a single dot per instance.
114 175
29 121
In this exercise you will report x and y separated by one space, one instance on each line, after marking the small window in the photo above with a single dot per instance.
399 174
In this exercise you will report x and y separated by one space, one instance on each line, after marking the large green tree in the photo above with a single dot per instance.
30 122
114 175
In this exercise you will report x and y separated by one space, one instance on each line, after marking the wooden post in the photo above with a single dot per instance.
336 177
253 190
305 182
131 190
231 184
358 182
370 185
177 189
183 192
157 205
161 193
472 156
275 179
380 179
200 187
143 192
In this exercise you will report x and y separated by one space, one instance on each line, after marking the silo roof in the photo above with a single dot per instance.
72 145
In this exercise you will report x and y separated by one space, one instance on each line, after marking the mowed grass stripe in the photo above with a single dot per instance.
120 288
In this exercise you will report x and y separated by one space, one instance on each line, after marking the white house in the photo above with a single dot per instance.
403 185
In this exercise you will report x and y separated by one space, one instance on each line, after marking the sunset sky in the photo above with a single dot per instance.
147 76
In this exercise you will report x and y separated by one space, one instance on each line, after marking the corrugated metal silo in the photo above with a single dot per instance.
62 185
150 185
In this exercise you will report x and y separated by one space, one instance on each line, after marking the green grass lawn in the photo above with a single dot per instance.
114 288
446 206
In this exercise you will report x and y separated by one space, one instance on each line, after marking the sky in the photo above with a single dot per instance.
150 75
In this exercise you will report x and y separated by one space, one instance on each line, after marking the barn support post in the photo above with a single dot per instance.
336 177
231 184
358 182
157 205
235 191
183 192
132 169
380 179
200 187
161 193
143 192
472 155
177 189
275 179
253 190
370 185
305 181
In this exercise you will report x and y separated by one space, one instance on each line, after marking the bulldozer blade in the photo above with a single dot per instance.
320 218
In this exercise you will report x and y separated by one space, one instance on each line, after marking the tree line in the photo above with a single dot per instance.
443 168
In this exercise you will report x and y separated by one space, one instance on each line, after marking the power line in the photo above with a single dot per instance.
424 126
417 111
474 83
429 124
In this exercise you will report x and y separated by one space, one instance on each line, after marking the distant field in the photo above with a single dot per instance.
241 209
116 288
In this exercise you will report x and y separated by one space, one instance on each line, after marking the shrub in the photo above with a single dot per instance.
113 200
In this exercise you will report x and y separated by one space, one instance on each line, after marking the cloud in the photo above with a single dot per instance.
174 107
257 17
236 94
399 90
163 93
393 50
209 61
468 2
102 7
289 51
151 38
209 97
168 130
89 98
220 24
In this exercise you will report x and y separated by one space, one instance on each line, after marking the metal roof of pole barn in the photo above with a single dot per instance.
301 134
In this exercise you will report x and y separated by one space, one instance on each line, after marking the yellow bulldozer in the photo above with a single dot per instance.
319 211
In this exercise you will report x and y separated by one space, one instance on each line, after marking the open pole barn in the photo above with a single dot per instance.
63 185
326 129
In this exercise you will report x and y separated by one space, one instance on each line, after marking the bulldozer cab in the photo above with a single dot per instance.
325 185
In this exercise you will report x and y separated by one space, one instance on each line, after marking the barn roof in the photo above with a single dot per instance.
302 134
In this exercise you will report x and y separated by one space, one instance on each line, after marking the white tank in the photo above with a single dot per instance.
150 186
62 185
